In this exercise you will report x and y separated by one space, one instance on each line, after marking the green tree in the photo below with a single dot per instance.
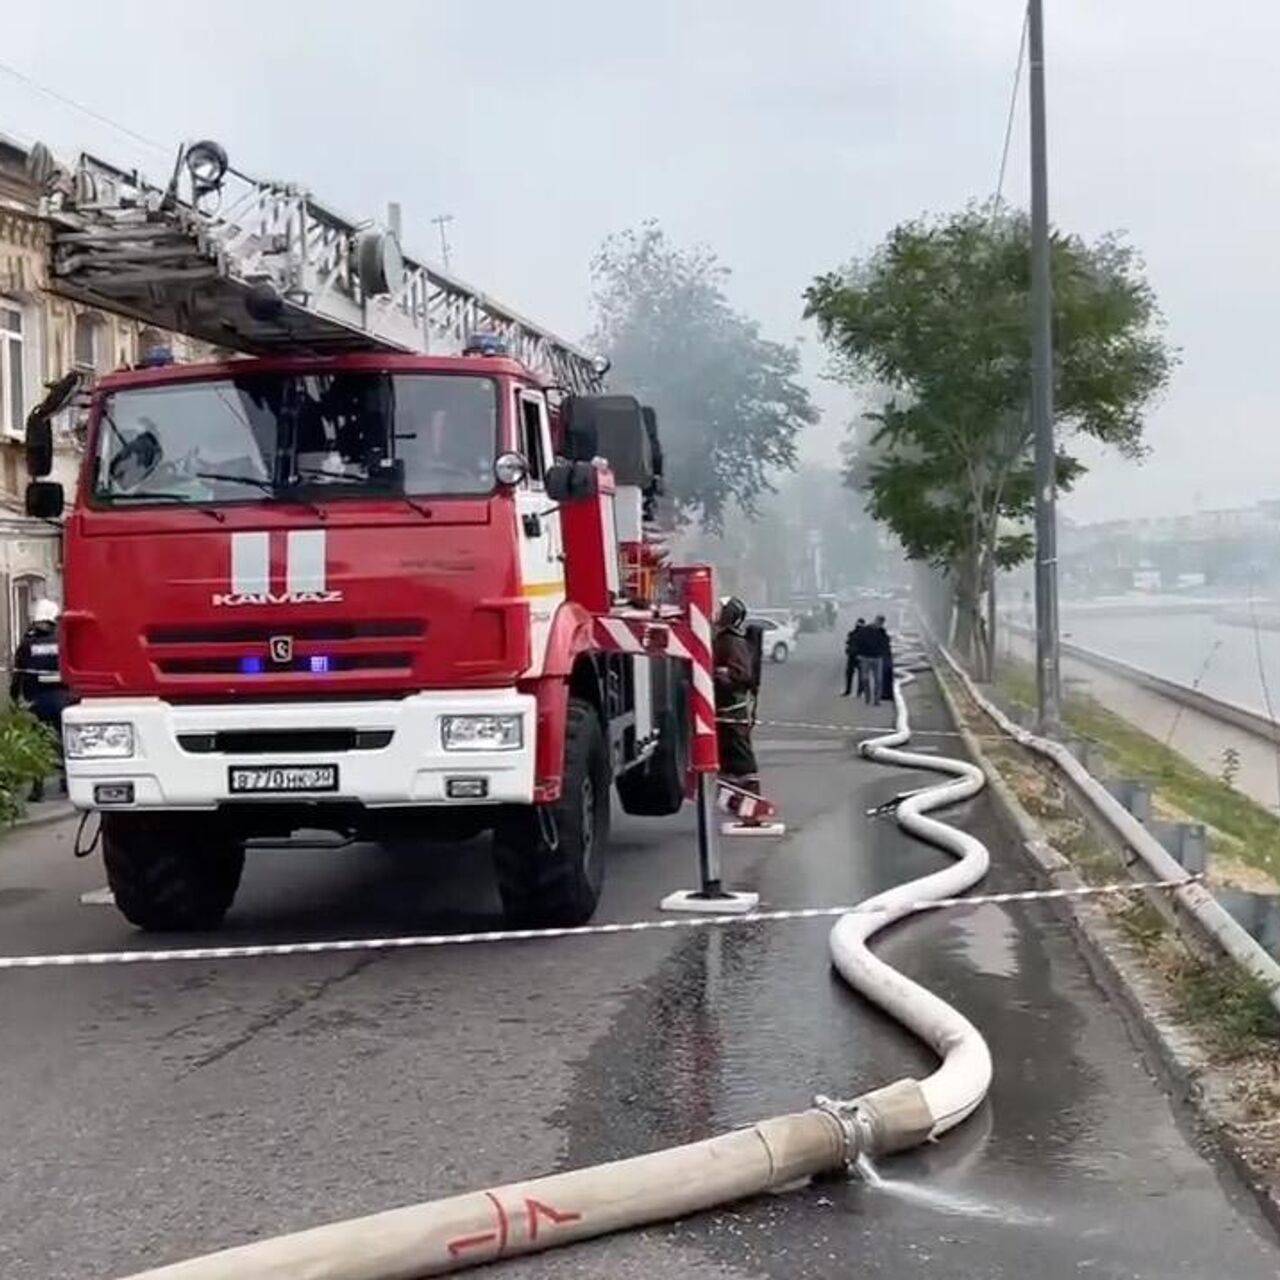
28 753
729 402
939 315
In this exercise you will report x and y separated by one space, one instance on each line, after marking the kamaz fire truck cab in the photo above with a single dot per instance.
360 591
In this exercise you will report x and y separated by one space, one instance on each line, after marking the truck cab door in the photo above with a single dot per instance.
541 545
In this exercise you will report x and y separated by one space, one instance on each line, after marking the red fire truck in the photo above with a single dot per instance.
342 580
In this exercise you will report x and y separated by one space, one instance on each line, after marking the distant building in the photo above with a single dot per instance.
1238 546
41 338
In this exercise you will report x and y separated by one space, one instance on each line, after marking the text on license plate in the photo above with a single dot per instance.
245 778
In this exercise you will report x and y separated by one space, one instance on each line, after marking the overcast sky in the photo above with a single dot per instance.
788 135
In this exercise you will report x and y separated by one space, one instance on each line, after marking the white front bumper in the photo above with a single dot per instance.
412 769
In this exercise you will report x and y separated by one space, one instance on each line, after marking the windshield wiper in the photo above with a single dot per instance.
375 488
264 486
175 499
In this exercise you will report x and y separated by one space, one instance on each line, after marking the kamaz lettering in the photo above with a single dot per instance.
232 599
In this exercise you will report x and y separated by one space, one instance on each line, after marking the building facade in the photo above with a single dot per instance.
42 336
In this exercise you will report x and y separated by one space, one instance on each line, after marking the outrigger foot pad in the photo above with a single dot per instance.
753 829
724 903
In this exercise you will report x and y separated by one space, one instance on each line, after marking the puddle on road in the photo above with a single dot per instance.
988 938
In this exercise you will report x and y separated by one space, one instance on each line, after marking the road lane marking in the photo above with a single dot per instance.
407 942
98 898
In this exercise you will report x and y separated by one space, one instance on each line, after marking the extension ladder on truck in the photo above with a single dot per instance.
261 267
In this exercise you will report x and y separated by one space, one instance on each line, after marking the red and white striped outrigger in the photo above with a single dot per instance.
748 807
684 632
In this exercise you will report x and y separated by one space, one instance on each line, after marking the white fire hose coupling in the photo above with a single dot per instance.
831 1137
892 1118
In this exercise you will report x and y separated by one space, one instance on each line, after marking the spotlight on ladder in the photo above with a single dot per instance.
263 302
207 164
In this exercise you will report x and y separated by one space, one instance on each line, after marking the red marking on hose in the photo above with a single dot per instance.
535 1207
504 1227
458 1247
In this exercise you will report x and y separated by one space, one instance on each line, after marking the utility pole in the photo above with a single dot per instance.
441 221
1048 674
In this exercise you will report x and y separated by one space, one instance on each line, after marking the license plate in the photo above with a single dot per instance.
260 779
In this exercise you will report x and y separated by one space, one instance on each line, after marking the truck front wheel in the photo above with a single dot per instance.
167 875
550 865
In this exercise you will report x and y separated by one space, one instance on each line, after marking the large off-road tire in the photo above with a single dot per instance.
656 788
167 875
551 867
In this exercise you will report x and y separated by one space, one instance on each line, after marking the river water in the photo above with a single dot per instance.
1237 663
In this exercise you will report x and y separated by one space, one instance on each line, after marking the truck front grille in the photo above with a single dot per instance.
319 647
265 742
233 664
263 632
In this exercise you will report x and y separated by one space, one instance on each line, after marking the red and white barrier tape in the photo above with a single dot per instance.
411 941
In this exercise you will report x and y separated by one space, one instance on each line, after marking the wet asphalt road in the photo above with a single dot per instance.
147 1113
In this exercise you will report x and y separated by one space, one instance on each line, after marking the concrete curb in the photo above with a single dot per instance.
1123 975
54 812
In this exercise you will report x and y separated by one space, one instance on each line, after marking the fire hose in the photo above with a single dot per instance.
440 1236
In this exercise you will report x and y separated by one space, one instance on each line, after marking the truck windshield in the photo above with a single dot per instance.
238 439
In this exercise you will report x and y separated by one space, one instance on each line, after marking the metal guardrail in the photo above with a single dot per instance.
1193 901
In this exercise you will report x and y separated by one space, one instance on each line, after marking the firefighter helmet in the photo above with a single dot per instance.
732 615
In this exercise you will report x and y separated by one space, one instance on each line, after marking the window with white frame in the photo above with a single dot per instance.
13 391
27 589
87 335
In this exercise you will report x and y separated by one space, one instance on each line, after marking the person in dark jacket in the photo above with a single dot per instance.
852 651
879 655
37 677
735 685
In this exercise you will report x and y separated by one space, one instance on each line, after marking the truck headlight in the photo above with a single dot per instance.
482 733
98 741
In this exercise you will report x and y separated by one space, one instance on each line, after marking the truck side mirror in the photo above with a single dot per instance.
39 438
39 447
45 499
571 481
580 432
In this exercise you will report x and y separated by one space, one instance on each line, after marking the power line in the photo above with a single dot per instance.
26 80
1013 111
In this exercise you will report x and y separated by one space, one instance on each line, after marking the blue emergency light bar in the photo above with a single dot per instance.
485 344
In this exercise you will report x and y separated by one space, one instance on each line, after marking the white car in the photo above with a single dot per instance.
784 617
780 631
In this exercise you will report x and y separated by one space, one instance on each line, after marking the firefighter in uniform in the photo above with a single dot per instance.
37 678
735 683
